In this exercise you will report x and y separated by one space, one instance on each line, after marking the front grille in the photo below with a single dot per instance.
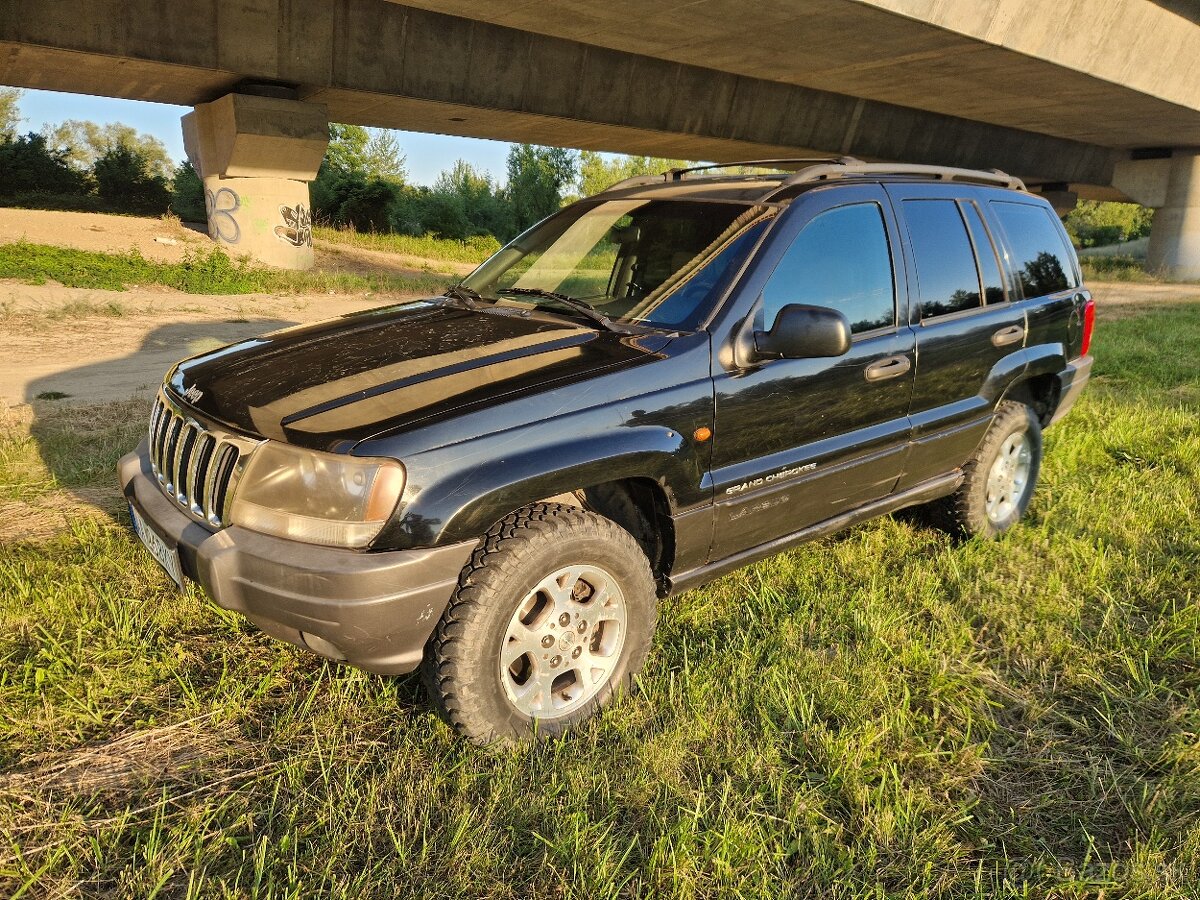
194 466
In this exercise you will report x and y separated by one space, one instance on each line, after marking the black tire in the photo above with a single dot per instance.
965 513
462 667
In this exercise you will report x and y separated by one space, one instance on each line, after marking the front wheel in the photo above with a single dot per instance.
552 616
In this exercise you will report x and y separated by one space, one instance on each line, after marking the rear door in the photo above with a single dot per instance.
968 330
1044 269
800 440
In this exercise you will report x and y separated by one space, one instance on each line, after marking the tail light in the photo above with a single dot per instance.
1089 323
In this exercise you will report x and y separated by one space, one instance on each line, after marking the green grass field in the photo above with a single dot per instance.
474 250
199 273
882 714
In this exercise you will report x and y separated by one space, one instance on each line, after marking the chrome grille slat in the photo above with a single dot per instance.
223 472
187 444
160 438
171 457
194 466
211 513
196 477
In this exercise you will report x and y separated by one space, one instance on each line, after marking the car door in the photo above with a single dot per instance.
797 441
969 335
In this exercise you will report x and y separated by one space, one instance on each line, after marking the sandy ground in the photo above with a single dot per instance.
162 240
98 346
168 240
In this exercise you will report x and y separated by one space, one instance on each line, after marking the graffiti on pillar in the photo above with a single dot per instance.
297 225
221 206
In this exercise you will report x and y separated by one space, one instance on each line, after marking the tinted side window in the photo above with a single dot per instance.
985 252
946 273
1040 258
841 260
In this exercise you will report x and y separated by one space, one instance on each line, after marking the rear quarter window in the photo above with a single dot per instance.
1041 260
947 278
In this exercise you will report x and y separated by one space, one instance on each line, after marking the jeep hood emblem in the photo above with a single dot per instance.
193 394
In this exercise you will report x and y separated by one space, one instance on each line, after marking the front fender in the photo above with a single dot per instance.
458 493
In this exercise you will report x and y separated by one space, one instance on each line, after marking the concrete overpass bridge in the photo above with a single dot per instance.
1094 98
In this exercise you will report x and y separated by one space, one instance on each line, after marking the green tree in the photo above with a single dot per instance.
187 194
464 204
383 158
29 165
360 179
347 151
600 171
1096 224
10 113
130 182
86 142
536 178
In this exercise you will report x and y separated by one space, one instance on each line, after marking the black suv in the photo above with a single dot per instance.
667 381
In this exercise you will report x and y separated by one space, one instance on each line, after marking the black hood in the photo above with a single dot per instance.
334 383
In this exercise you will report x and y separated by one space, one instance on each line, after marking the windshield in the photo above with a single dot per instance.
647 261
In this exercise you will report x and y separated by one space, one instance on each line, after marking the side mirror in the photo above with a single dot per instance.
803 332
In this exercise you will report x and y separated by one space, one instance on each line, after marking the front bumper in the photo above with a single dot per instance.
1072 381
371 610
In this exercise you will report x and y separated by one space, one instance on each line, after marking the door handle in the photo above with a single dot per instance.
888 367
1010 335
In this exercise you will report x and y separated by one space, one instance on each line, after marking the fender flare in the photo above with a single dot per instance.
460 502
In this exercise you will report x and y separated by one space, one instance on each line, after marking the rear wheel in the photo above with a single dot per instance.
999 478
552 616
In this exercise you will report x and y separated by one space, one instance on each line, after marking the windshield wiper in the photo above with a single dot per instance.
584 309
465 296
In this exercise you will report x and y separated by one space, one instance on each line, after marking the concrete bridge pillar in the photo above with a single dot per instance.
1175 236
1170 184
256 155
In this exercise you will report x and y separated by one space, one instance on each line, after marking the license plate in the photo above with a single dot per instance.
166 555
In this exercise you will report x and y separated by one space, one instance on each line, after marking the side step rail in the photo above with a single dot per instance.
919 493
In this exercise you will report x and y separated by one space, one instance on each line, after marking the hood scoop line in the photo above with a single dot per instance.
479 362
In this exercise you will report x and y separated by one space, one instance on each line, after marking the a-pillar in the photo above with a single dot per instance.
1175 235
256 155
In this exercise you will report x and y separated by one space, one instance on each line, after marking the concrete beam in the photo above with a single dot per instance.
374 62
1143 181
1108 72
260 137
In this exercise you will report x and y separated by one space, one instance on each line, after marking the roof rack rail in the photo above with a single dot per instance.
635 180
830 171
809 171
783 164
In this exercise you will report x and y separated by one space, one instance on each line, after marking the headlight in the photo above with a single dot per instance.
319 498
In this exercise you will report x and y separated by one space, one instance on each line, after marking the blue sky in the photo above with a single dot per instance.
428 154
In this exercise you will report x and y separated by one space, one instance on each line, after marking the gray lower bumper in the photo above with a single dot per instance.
372 610
1072 382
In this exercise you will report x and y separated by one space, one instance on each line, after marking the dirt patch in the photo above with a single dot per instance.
150 756
1120 299
168 240
48 515
359 261
77 345
80 345
161 240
